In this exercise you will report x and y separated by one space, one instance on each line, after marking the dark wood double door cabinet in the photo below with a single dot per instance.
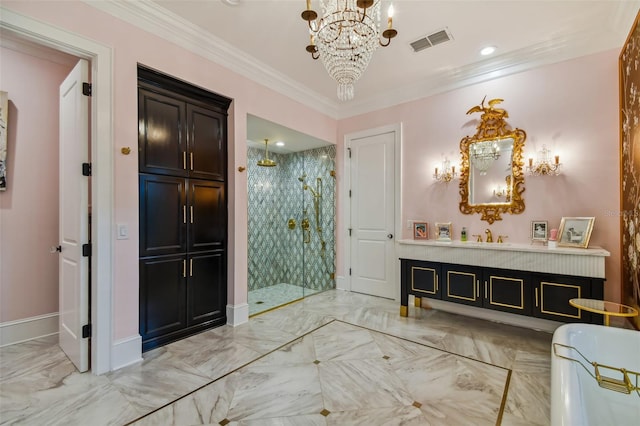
182 144
518 292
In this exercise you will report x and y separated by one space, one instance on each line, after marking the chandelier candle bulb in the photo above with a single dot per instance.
390 19
557 159
530 162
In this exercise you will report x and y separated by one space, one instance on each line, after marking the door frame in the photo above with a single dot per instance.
345 200
102 149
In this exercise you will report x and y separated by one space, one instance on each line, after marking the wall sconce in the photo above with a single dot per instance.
505 191
544 165
447 173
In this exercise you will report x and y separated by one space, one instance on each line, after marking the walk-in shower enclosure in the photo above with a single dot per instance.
291 248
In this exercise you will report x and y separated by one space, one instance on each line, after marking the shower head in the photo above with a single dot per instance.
302 178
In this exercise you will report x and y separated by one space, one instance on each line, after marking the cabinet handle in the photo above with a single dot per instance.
191 159
190 267
485 289
436 283
477 288
191 213
184 213
184 160
536 297
184 268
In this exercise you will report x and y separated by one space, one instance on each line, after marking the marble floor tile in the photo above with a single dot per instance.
334 358
159 379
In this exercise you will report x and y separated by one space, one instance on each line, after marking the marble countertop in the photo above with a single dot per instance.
533 248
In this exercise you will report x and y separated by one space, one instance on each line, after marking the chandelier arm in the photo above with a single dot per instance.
384 44
315 55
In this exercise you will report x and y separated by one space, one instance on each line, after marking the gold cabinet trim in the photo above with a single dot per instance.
435 276
542 284
474 284
521 307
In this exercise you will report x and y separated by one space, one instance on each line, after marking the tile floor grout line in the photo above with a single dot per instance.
425 345
504 399
227 374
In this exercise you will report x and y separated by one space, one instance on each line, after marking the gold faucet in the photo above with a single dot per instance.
489 236
478 238
500 237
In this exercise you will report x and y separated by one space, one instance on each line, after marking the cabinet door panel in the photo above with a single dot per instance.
462 284
207 147
162 215
207 287
161 134
552 295
162 296
423 279
207 215
507 291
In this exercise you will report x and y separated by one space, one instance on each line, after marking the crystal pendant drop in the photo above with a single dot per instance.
345 91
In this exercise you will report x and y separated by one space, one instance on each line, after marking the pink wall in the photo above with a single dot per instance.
29 207
132 46
572 107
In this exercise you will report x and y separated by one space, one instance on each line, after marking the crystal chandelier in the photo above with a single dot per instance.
483 154
346 37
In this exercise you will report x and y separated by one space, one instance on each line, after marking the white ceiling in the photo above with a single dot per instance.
265 40
527 33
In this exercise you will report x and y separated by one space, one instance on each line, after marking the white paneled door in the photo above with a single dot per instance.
372 170
74 217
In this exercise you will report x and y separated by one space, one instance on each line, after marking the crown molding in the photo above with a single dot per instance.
153 18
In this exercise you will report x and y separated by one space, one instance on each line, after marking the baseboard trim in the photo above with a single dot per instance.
23 330
539 324
342 283
237 314
126 352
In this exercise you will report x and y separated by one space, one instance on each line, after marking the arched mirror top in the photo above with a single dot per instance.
492 179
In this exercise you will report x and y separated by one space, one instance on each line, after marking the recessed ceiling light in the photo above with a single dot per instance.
279 143
488 50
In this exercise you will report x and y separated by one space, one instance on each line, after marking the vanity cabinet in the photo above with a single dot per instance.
551 295
518 292
182 145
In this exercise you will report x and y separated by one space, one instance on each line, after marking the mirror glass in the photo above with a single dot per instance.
491 179
490 171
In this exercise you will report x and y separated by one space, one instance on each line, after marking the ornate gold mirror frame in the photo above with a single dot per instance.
492 131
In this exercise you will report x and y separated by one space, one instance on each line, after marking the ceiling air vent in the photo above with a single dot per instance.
432 39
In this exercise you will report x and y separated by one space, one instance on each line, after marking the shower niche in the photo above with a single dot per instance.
291 216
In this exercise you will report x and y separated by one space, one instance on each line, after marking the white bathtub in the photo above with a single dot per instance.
576 397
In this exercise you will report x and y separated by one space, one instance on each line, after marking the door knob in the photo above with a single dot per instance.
55 249
390 236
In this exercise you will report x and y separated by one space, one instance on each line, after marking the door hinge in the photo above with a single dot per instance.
349 271
86 89
349 152
349 231
349 193
86 331
86 250
86 169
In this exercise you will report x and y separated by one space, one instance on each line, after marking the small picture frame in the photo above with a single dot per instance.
539 230
443 231
420 230
575 231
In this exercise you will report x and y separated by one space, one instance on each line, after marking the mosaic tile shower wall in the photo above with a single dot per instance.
278 254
